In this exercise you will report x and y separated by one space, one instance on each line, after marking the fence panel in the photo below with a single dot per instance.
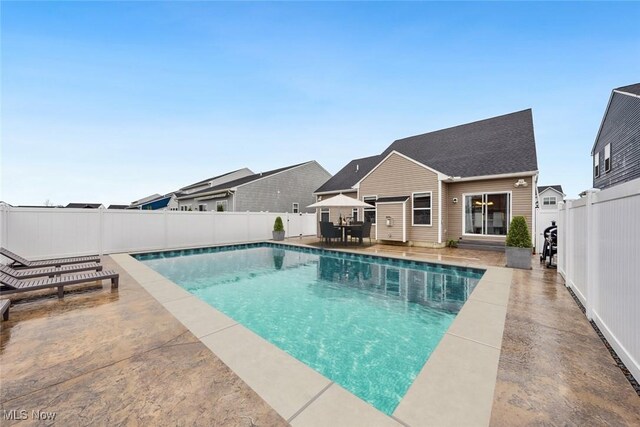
59 232
598 255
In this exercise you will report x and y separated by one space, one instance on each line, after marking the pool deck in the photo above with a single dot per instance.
118 357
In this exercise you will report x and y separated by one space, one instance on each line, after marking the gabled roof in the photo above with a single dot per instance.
84 205
241 181
633 89
349 175
157 204
204 181
558 188
495 146
118 206
146 199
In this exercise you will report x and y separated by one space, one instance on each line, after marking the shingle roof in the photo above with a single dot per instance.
499 145
241 181
84 205
634 89
118 206
195 184
350 174
555 187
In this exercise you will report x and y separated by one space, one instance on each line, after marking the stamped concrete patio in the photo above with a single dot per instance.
101 357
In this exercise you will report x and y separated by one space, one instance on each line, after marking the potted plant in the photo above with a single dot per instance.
518 244
278 229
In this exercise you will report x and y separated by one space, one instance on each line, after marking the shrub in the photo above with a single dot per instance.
452 243
518 235
278 226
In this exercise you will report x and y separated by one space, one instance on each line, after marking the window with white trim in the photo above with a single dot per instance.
607 157
369 214
596 165
354 214
549 201
324 214
202 207
295 208
422 208
185 208
221 206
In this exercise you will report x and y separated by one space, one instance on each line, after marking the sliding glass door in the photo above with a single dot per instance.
487 214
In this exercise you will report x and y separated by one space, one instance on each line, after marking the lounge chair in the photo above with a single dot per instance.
4 308
28 273
11 285
20 262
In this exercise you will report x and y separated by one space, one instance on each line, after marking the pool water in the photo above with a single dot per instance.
367 323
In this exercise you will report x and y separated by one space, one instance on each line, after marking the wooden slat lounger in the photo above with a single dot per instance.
28 273
4 308
20 262
11 285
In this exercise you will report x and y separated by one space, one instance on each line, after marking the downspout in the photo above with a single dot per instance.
439 211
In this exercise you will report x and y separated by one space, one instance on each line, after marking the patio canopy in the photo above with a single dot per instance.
340 201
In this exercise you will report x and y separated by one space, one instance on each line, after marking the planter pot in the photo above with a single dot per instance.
278 235
518 258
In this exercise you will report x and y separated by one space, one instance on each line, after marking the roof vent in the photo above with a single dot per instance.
357 168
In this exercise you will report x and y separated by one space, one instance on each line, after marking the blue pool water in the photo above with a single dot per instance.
368 323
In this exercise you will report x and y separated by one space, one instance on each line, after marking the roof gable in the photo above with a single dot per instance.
631 90
494 146
556 188
395 153
350 174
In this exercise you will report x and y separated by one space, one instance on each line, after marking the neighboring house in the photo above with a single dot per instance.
85 206
190 197
616 151
118 206
168 202
547 210
288 189
549 196
461 183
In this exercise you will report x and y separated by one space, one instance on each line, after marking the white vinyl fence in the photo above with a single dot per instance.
59 232
544 217
599 258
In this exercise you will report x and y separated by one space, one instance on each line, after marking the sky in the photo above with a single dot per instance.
112 101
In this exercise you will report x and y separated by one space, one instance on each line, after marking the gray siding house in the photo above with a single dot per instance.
287 189
616 151
549 196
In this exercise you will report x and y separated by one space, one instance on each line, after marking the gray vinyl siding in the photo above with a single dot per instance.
621 128
277 193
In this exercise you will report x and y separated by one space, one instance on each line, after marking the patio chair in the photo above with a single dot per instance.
12 285
329 231
29 273
362 232
20 262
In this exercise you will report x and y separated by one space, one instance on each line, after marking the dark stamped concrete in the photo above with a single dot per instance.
102 357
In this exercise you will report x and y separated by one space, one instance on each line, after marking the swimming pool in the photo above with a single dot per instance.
368 323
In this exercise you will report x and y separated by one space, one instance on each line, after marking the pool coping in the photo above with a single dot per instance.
458 379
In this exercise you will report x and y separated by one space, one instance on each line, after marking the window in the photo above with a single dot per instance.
549 201
607 157
487 214
324 214
221 206
185 208
202 208
295 208
422 208
369 214
596 165
354 214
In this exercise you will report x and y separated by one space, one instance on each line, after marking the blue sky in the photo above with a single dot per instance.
109 102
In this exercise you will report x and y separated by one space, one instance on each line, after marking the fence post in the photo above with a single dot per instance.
591 255
165 240
100 231
286 230
4 219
